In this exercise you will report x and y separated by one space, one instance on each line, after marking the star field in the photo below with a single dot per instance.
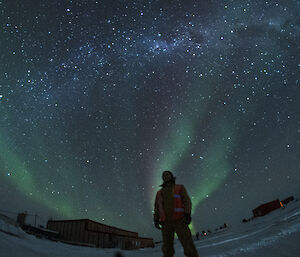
97 98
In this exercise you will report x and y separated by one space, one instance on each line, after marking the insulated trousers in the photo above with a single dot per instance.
169 228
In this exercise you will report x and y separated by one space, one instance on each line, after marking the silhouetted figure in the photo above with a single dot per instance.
21 218
172 214
197 235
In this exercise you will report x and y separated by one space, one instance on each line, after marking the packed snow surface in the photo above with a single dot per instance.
276 234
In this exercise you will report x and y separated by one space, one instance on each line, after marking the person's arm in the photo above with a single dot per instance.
186 201
187 204
156 212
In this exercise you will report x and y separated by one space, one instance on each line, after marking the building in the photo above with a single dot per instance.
266 208
146 242
91 233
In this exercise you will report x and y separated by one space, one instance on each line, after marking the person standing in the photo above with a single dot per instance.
172 214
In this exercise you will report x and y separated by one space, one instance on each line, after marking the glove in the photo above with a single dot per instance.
187 218
157 225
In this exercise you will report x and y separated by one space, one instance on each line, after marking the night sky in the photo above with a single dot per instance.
97 98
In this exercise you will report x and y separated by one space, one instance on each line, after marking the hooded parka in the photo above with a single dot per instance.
172 204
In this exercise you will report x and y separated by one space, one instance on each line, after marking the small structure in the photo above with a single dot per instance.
41 232
287 200
91 233
266 208
21 218
146 242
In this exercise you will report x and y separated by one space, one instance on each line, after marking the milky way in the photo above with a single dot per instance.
97 98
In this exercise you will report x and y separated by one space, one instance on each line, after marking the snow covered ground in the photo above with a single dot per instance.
276 234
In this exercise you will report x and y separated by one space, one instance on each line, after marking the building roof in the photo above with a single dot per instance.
88 220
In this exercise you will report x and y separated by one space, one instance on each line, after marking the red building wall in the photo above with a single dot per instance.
266 208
